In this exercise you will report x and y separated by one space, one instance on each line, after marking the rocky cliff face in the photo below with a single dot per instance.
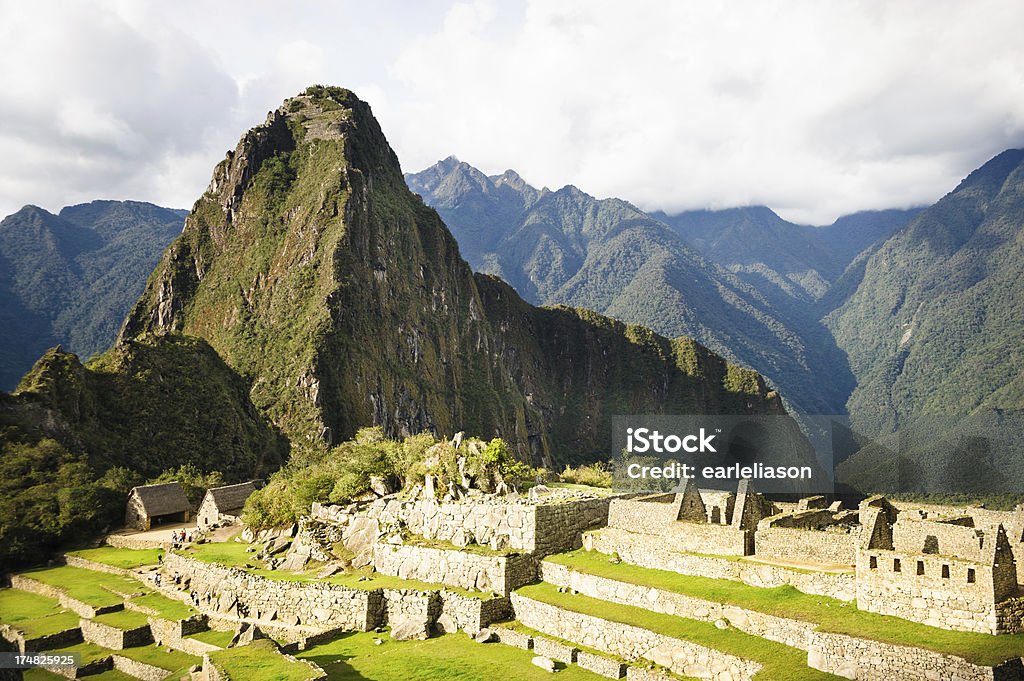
343 300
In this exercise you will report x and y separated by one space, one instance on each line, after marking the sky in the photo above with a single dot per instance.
814 108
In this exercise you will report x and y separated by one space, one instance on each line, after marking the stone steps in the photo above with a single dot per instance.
632 642
839 654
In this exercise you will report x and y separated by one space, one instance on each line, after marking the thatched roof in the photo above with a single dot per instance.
230 497
162 499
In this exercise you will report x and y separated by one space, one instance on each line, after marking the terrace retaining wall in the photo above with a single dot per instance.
630 643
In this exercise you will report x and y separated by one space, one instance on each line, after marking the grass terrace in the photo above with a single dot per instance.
34 615
259 661
236 554
453 657
165 658
127 559
829 614
220 639
123 619
98 589
164 607
778 661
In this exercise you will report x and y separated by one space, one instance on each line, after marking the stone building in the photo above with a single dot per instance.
223 505
153 505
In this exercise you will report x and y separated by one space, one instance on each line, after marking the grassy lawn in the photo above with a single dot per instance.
165 608
98 589
829 614
779 661
214 637
121 558
89 652
33 614
235 554
159 657
259 661
453 657
232 553
37 674
123 619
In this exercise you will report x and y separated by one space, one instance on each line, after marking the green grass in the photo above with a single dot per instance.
478 549
120 558
111 675
829 614
259 661
98 589
778 661
231 553
89 652
453 657
33 614
214 637
164 658
123 619
165 608
234 554
39 674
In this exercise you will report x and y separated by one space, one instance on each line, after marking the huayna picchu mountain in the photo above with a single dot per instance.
311 294
343 301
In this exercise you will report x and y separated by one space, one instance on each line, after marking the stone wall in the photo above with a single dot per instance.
657 516
864 660
648 551
60 639
1010 616
317 604
837 546
134 541
140 670
934 590
171 634
75 561
510 522
464 613
599 664
629 642
916 535
500 574
327 606
114 638
789 632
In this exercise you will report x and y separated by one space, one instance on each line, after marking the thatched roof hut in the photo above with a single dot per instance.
224 504
150 505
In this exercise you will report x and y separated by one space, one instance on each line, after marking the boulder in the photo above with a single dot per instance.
246 634
409 629
485 636
545 663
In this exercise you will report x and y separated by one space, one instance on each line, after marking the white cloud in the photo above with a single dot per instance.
813 108
816 109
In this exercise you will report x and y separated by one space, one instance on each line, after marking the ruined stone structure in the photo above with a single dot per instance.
940 566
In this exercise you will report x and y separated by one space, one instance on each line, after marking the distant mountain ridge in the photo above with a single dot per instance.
69 279
669 273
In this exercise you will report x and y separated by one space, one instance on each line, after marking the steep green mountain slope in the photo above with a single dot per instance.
343 301
75 439
782 259
70 279
567 247
934 327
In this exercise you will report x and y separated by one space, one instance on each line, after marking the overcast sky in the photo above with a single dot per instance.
813 108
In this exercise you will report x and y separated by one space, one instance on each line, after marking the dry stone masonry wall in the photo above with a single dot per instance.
631 643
